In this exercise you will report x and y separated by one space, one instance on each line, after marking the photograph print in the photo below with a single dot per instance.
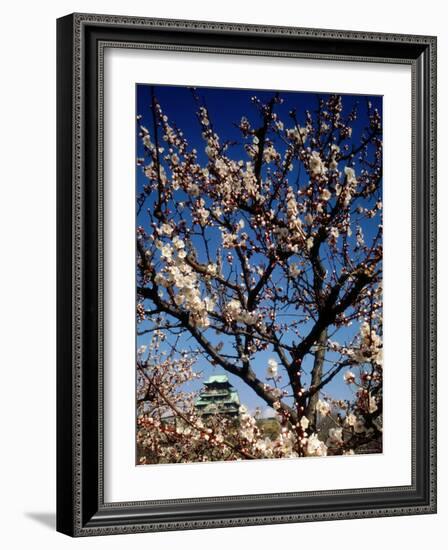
258 274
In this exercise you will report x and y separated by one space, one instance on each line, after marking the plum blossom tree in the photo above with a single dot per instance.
266 250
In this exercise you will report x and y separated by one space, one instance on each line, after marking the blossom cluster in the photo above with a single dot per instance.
180 277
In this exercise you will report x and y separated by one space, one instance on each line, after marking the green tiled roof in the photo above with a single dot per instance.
232 401
217 378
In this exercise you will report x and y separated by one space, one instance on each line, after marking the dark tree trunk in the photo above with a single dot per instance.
316 376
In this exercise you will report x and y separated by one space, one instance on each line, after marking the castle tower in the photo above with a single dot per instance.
218 396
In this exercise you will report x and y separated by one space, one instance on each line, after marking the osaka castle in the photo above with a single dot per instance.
218 396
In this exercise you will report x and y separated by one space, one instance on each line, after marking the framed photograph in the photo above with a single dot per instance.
246 274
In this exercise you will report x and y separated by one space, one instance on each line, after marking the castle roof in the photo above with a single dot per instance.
217 379
233 399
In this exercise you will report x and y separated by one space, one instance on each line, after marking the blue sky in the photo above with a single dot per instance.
226 107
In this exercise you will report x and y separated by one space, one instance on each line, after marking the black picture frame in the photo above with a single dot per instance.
81 510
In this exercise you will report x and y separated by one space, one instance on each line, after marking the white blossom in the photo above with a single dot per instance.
304 423
350 420
315 447
166 229
350 175
272 369
141 350
294 270
323 408
349 377
334 436
317 166
325 195
166 251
